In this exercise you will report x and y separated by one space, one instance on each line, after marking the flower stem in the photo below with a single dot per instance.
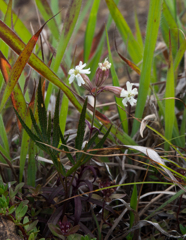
93 115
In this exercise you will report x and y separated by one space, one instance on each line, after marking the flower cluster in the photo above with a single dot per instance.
109 191
102 73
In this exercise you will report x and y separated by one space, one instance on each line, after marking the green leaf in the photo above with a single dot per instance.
183 129
168 24
115 81
169 103
23 211
179 54
49 127
42 113
47 13
81 129
171 199
85 159
133 47
17 45
56 123
150 42
63 113
66 148
138 31
7 21
182 229
19 27
31 170
68 27
89 34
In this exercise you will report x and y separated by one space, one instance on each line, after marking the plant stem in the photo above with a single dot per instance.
93 115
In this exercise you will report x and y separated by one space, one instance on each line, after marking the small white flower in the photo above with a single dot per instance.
129 95
76 73
104 66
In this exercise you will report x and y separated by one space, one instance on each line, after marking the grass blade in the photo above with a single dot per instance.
89 34
169 103
17 45
8 22
81 129
133 47
122 113
31 171
150 42
47 13
42 113
19 27
169 24
68 27
138 31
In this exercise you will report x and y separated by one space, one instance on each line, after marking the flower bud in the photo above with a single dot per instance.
102 73
115 90
88 85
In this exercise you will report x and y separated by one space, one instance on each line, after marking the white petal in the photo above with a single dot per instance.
132 101
134 91
129 86
80 80
124 101
80 66
71 78
85 71
124 93
71 71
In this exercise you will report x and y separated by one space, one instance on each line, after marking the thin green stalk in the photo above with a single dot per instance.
93 115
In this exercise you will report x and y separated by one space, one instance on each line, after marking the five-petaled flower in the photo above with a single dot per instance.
129 95
76 73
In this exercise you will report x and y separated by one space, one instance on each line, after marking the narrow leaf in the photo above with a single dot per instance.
169 103
122 113
17 97
133 47
18 67
89 34
42 113
47 13
150 42
81 128
68 27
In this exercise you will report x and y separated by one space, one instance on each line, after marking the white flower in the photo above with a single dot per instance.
129 95
104 66
76 73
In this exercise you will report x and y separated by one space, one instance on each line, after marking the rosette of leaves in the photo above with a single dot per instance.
42 136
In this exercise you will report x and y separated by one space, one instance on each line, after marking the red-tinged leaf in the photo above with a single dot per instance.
128 62
17 45
17 97
95 44
19 66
